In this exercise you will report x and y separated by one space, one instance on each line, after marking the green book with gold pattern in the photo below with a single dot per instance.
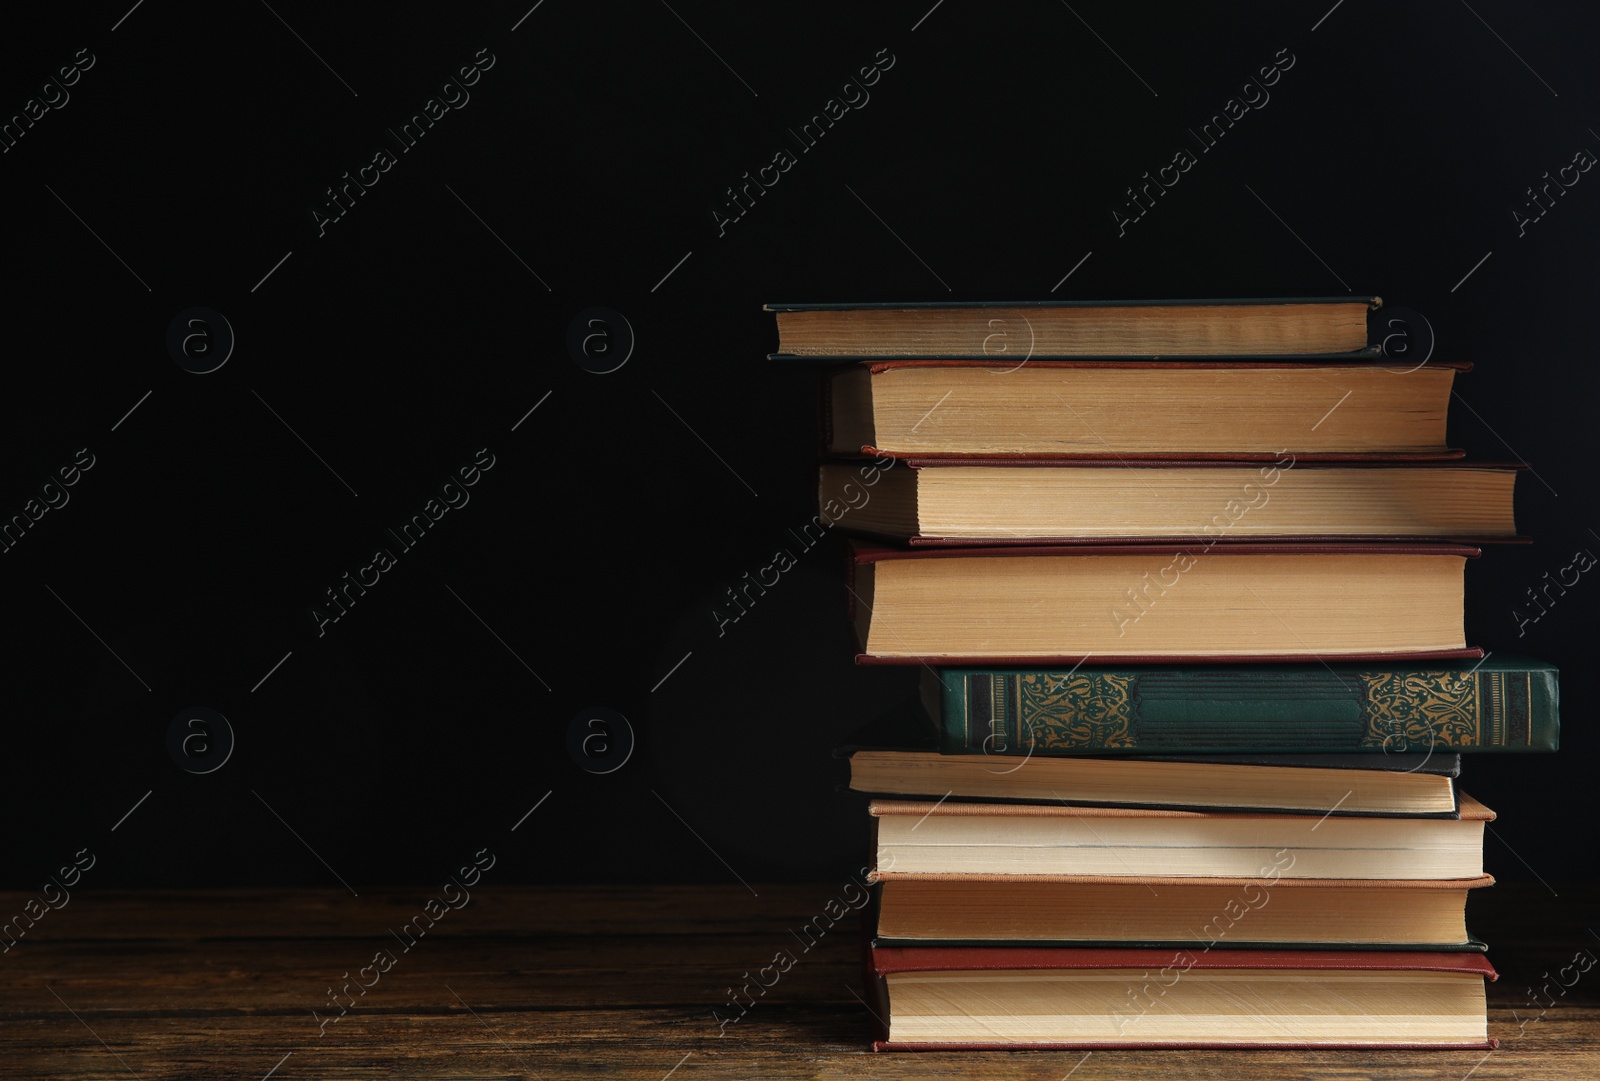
1498 704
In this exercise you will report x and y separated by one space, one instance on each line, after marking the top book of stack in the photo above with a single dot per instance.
1222 380
1314 327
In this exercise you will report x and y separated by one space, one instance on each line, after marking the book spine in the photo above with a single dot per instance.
1247 709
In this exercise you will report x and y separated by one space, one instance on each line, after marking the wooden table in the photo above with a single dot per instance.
566 982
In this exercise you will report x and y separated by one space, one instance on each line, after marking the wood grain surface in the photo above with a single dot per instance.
575 982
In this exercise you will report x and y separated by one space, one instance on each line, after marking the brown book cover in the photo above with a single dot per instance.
1167 913
1184 835
864 552
1471 811
825 410
867 552
888 959
1167 461
1176 540
1308 328
882 962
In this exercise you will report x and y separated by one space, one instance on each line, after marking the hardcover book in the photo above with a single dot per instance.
1059 501
1310 326
1267 911
1178 783
998 998
917 837
1252 409
1138 603
1501 703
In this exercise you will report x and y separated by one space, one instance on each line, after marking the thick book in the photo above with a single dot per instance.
1502 703
919 837
1264 912
938 999
1019 330
1134 603
1224 409
1176 783
1061 501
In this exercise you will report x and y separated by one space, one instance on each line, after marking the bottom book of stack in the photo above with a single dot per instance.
1073 925
944 998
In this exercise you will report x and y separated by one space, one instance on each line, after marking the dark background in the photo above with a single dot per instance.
425 723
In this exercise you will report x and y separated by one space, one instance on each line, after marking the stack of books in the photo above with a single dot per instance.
1185 585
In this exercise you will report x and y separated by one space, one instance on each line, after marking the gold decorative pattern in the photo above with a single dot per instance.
1421 711
1076 711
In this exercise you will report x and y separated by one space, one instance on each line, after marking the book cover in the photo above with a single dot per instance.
879 329
1502 703
882 962
1177 913
860 609
832 444
1244 784
1019 841
1207 534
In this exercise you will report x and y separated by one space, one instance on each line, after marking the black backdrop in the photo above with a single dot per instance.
377 353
